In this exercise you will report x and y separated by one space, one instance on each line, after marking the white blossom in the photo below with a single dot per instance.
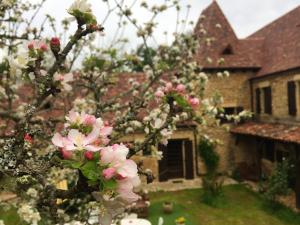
80 5
29 214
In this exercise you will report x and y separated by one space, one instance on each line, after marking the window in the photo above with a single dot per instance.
228 50
258 104
291 89
267 100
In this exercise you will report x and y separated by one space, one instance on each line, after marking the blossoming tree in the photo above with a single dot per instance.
63 123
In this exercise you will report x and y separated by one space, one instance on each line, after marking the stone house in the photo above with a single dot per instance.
264 78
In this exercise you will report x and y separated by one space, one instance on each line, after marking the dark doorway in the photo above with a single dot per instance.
173 165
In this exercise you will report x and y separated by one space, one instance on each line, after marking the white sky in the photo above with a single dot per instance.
245 16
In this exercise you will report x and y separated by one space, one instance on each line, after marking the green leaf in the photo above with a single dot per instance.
90 170
181 101
110 184
72 164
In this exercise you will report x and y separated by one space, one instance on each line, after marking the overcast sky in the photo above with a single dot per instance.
245 16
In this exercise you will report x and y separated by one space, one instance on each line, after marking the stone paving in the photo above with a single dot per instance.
180 184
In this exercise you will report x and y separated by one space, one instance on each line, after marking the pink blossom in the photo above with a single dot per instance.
113 154
77 141
64 79
106 131
168 87
109 173
89 119
124 170
194 102
180 88
125 189
60 141
43 47
37 44
159 94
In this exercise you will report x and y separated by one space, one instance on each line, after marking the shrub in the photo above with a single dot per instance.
277 184
212 186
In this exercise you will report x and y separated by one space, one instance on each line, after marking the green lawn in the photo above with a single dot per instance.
242 207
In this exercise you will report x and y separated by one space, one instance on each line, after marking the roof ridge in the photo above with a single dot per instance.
214 5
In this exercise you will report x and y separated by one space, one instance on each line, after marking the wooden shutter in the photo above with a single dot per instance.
297 184
268 100
291 86
189 160
162 164
258 103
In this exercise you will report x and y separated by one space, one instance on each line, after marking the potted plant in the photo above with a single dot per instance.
180 221
168 207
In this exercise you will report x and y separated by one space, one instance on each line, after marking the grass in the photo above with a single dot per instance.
241 207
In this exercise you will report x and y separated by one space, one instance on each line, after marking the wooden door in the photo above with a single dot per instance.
171 165
189 159
175 159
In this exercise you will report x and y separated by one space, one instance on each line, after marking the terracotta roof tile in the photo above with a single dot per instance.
274 48
282 46
214 26
280 132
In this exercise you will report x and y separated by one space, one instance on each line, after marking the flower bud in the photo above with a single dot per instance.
65 154
43 47
30 46
194 102
55 45
28 138
55 41
180 88
89 155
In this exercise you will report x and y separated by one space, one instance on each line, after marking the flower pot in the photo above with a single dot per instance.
168 207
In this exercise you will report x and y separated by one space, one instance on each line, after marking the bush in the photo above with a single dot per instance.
212 186
277 184
210 157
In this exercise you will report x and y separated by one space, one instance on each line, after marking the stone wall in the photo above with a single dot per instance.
235 91
278 84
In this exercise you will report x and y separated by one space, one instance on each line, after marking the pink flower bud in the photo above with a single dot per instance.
30 45
89 155
109 173
55 41
65 154
159 94
194 102
28 138
43 47
168 87
180 88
